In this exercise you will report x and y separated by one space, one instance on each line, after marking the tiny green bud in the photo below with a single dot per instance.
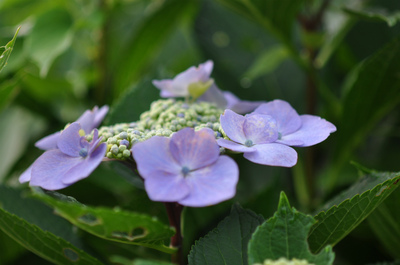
126 153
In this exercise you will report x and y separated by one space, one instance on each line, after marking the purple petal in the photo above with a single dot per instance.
212 184
273 154
214 95
232 124
194 149
240 106
286 117
86 120
50 168
235 146
49 142
86 166
205 70
26 175
312 131
165 86
260 129
153 155
69 140
99 117
166 187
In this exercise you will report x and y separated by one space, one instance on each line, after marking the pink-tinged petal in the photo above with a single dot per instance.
50 168
166 187
153 155
273 154
49 142
235 146
240 106
313 130
194 149
165 86
86 166
212 184
205 70
26 175
232 124
260 129
99 117
214 95
286 117
69 140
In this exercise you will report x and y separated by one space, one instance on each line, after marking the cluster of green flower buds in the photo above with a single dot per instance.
284 261
165 117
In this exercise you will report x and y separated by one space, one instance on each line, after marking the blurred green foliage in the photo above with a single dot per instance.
70 55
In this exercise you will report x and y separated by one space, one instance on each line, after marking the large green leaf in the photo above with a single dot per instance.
346 211
34 226
385 222
285 235
376 14
150 37
7 92
51 35
7 51
227 243
111 224
371 91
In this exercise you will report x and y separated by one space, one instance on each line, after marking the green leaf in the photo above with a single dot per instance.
375 14
51 35
227 243
134 102
124 261
386 263
346 211
267 62
145 44
7 92
285 235
7 51
385 222
34 226
371 92
111 224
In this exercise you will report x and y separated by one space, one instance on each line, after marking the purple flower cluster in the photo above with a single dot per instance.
265 136
186 168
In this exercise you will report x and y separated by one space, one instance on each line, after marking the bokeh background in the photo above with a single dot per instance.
71 55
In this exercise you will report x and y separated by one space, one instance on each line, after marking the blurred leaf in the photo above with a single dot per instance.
371 91
385 222
34 226
7 51
111 224
10 250
347 210
134 102
14 124
124 261
267 62
227 243
149 38
375 14
386 263
51 35
285 235
7 92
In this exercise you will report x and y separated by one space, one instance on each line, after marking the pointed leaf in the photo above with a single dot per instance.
375 14
285 235
111 224
7 51
227 243
346 211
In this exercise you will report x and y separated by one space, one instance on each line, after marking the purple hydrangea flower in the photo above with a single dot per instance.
238 105
265 135
74 160
186 168
89 120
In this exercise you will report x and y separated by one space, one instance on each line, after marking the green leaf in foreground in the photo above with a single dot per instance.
346 211
376 14
111 224
33 225
227 243
285 235
7 51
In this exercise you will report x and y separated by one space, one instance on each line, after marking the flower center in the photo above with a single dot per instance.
185 171
248 143
83 152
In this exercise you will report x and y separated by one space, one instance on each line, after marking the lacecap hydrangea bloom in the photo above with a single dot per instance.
186 168
74 159
196 82
265 135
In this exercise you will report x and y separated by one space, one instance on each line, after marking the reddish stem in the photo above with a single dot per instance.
174 211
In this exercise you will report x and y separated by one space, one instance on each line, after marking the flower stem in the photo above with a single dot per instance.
174 211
